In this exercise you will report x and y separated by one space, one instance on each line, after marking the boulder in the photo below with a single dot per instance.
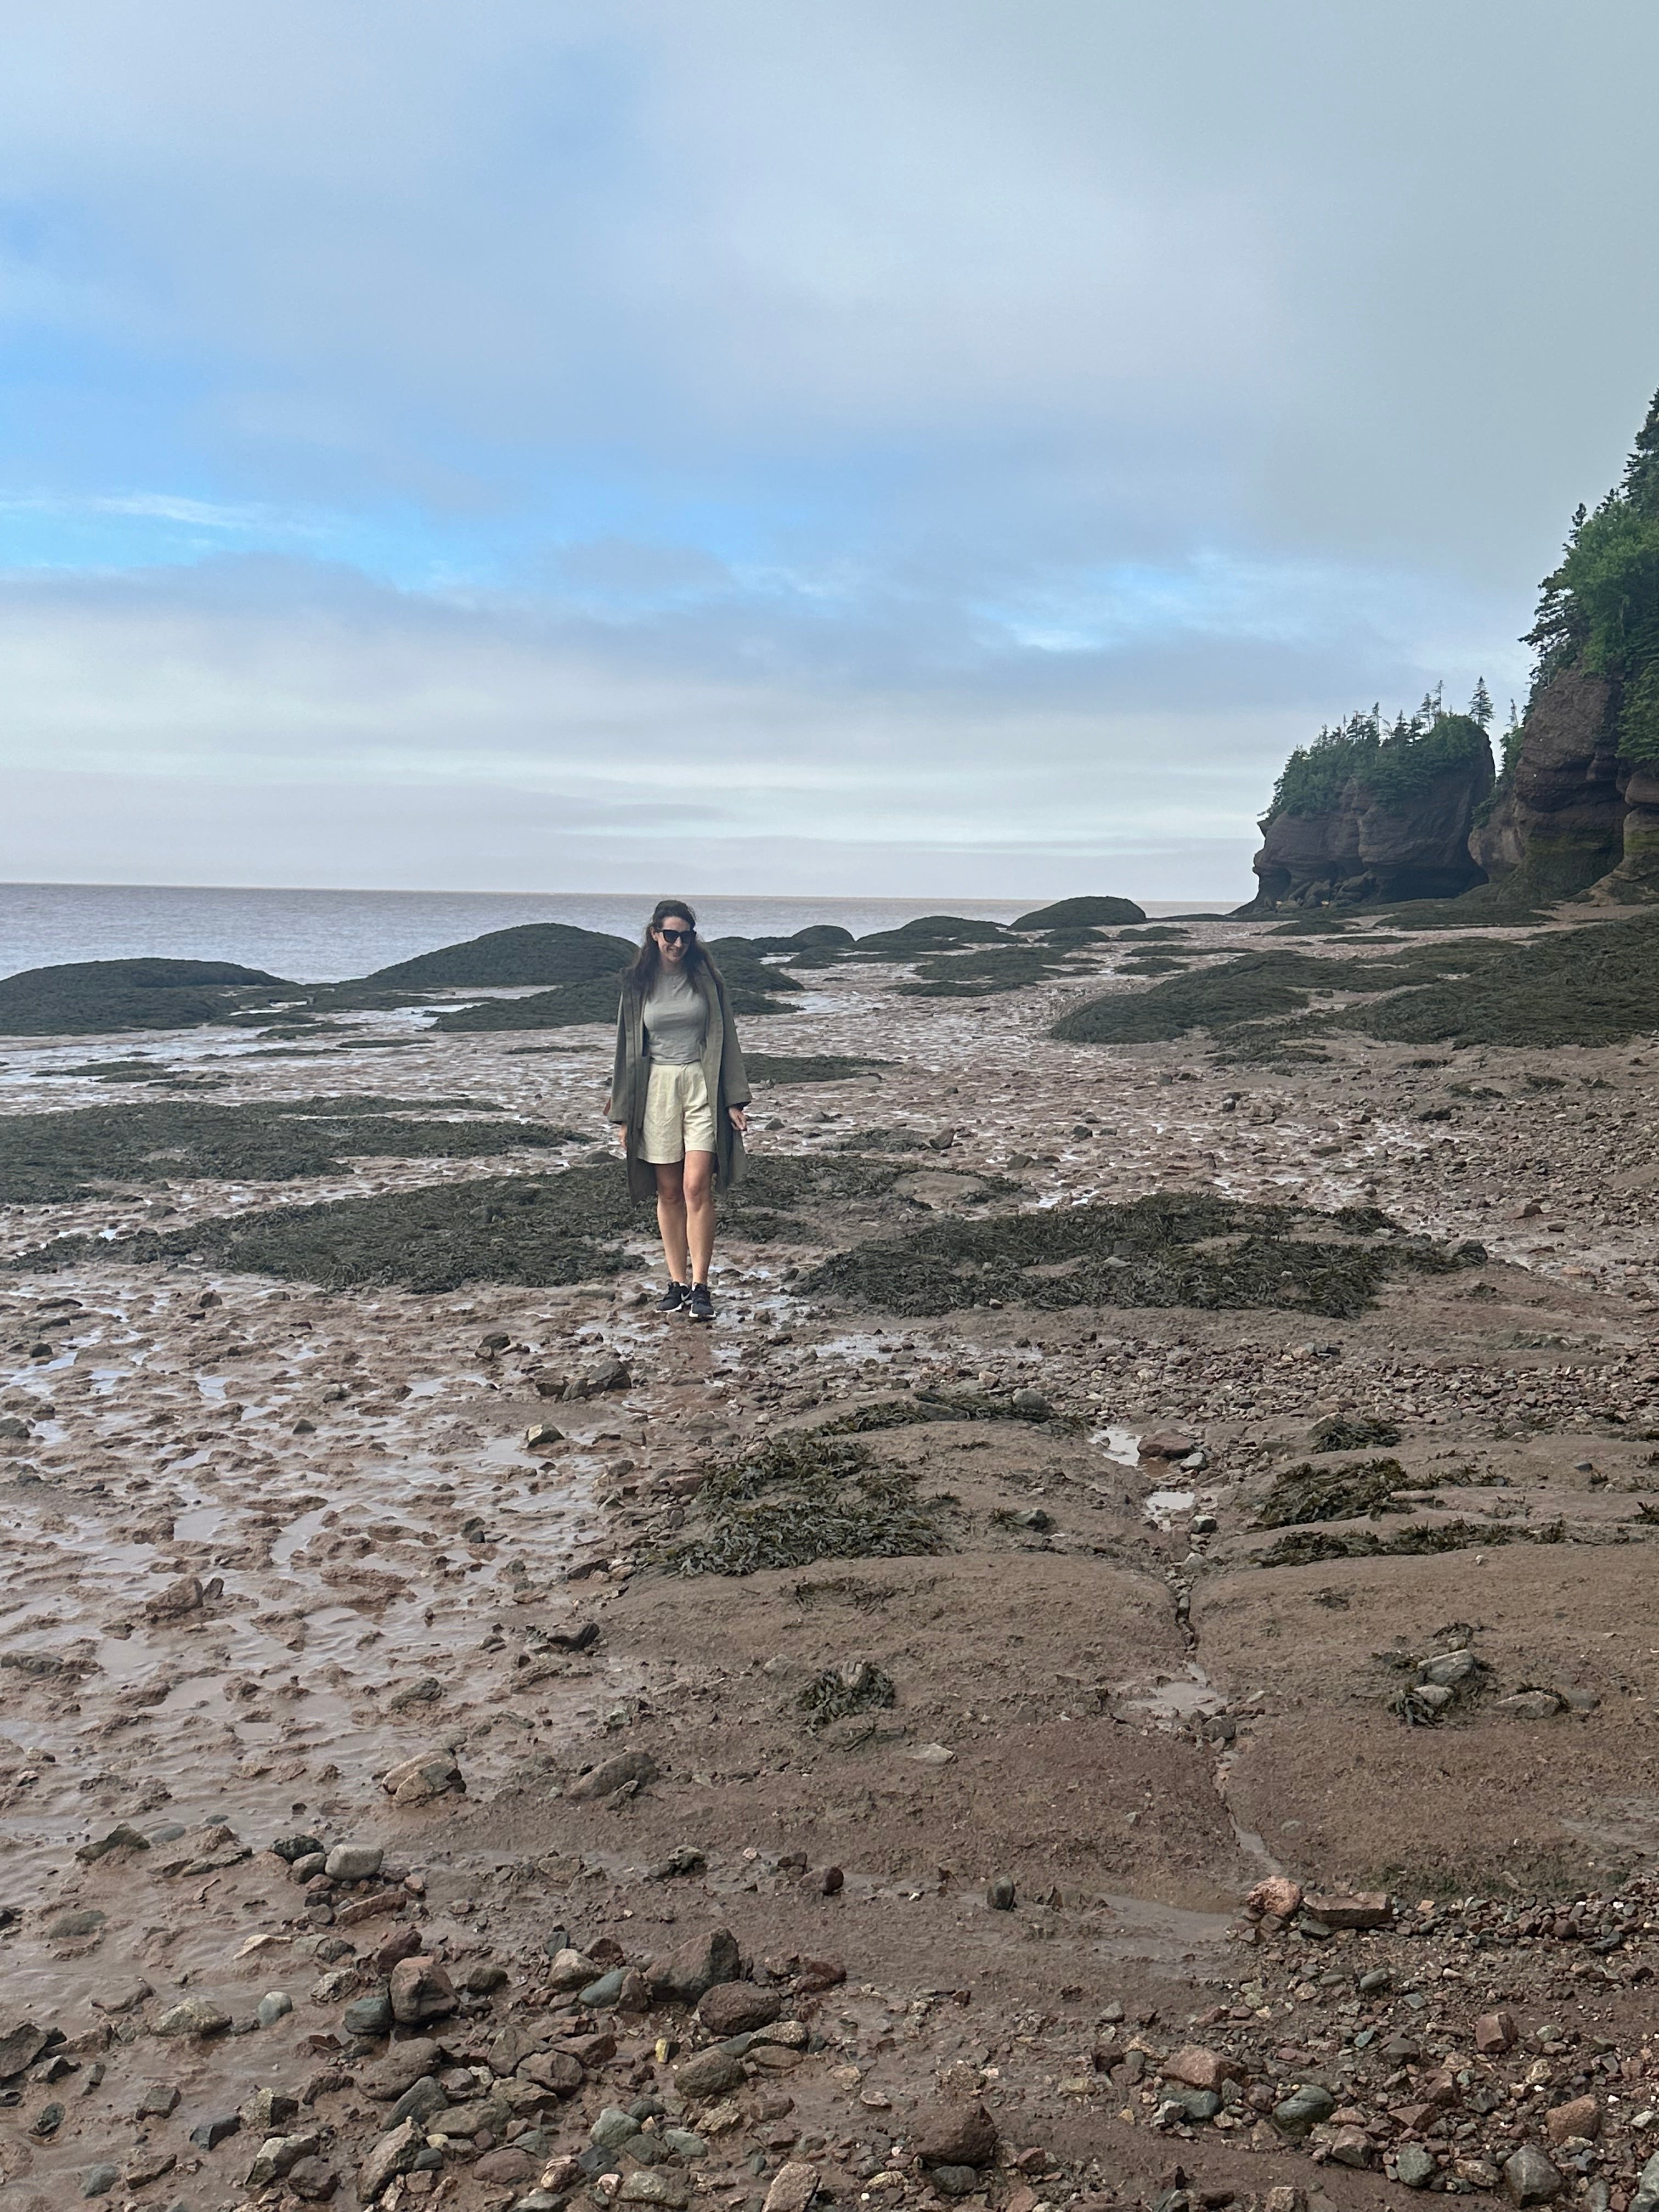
738 2008
954 2133
1201 2069
394 2153
431 1774
1529 2178
685 1974
402 2067
421 1991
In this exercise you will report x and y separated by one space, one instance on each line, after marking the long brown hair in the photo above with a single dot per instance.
647 962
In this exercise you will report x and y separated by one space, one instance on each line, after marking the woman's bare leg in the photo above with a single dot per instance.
697 1211
670 1218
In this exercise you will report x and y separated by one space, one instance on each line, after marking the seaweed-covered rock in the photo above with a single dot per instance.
535 952
1081 913
86 997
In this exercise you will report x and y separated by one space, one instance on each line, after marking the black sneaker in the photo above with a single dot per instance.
700 1305
673 1298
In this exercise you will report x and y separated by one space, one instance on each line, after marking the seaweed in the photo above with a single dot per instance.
1597 984
1307 1493
930 1406
931 933
980 974
857 1687
91 997
1310 1546
1080 914
1173 1248
804 1497
51 1159
749 988
1354 1433
534 1231
808 1068
535 952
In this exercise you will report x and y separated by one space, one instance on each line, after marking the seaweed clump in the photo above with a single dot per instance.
535 952
51 1159
1307 1548
804 1497
535 1231
1080 914
84 998
1355 1432
1308 1492
1173 1248
981 974
1595 985
928 1405
808 1067
856 1687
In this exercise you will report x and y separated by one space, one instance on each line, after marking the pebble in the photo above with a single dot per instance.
1413 2166
275 2005
193 2016
100 2179
1529 2178
353 1861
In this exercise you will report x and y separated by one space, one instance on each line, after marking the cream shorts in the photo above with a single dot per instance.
679 1118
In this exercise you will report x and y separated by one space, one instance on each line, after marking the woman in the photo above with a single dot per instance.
678 1095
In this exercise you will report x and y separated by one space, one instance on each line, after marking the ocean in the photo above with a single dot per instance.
318 937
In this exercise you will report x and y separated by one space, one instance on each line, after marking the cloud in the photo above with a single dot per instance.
942 430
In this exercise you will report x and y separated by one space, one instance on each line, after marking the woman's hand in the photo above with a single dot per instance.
619 1130
739 1118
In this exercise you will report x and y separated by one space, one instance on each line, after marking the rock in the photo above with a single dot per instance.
291 1848
179 1598
710 2074
555 2070
1277 1899
793 2186
1529 2178
212 2133
479 2116
193 2016
266 2111
1167 1443
121 1997
1200 2068
957 2180
685 1973
540 1435
19 2047
420 2101
369 2016
159 2101
120 1837
1413 2166
738 2008
1560 819
683 2143
100 2179
394 2153
1368 839
1582 2116
611 1775
275 2005
954 2134
277 2157
421 1991
1303 2110
1496 2032
431 1774
484 1981
353 1861
69 1927
1353 2147
932 1754
314 2180
570 1970
999 1895
613 2128
1530 1705
147 2165
1646 2198
401 2068
650 2186
1368 1909
604 1992
307 1870
504 2167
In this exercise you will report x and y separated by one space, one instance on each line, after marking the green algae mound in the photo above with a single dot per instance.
87 998
535 952
1081 913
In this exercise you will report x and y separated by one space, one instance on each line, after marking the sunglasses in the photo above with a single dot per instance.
677 936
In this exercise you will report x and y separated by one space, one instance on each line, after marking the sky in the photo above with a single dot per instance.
883 446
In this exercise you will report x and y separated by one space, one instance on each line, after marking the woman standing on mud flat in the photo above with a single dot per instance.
678 1095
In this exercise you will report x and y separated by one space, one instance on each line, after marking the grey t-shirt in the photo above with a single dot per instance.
676 1020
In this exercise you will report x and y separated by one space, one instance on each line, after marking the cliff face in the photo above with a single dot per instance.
1573 817
1369 845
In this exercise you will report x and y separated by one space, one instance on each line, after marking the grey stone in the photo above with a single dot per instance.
275 2005
955 2181
710 2074
684 2142
1529 2178
685 1974
277 2156
999 1895
420 2101
353 1861
212 2133
957 2133
19 2047
395 2153
637 1767
1646 2198
796 2183
85 1921
569 1971
1304 2109
369 2015
606 1990
738 2008
1413 2166
652 2186
613 2128
402 2067
193 2016
100 2179
265 2112
293 1848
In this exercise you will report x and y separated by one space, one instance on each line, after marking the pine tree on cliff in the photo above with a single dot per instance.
1481 709
1599 610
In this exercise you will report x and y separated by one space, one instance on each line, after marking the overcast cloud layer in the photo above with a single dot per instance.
917 448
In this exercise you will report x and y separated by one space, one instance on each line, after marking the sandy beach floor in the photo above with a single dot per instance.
270 1547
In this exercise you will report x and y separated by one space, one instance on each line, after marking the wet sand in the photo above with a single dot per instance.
267 1542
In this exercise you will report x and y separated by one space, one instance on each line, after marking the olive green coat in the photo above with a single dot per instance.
722 1071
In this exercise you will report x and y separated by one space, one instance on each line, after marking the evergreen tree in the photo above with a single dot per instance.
1480 707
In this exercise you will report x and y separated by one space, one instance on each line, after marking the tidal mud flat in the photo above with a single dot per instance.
469 1740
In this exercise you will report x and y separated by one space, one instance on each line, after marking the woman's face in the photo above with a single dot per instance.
674 933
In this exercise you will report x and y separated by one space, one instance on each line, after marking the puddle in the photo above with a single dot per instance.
1122 1445
1161 1507
1168 1700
